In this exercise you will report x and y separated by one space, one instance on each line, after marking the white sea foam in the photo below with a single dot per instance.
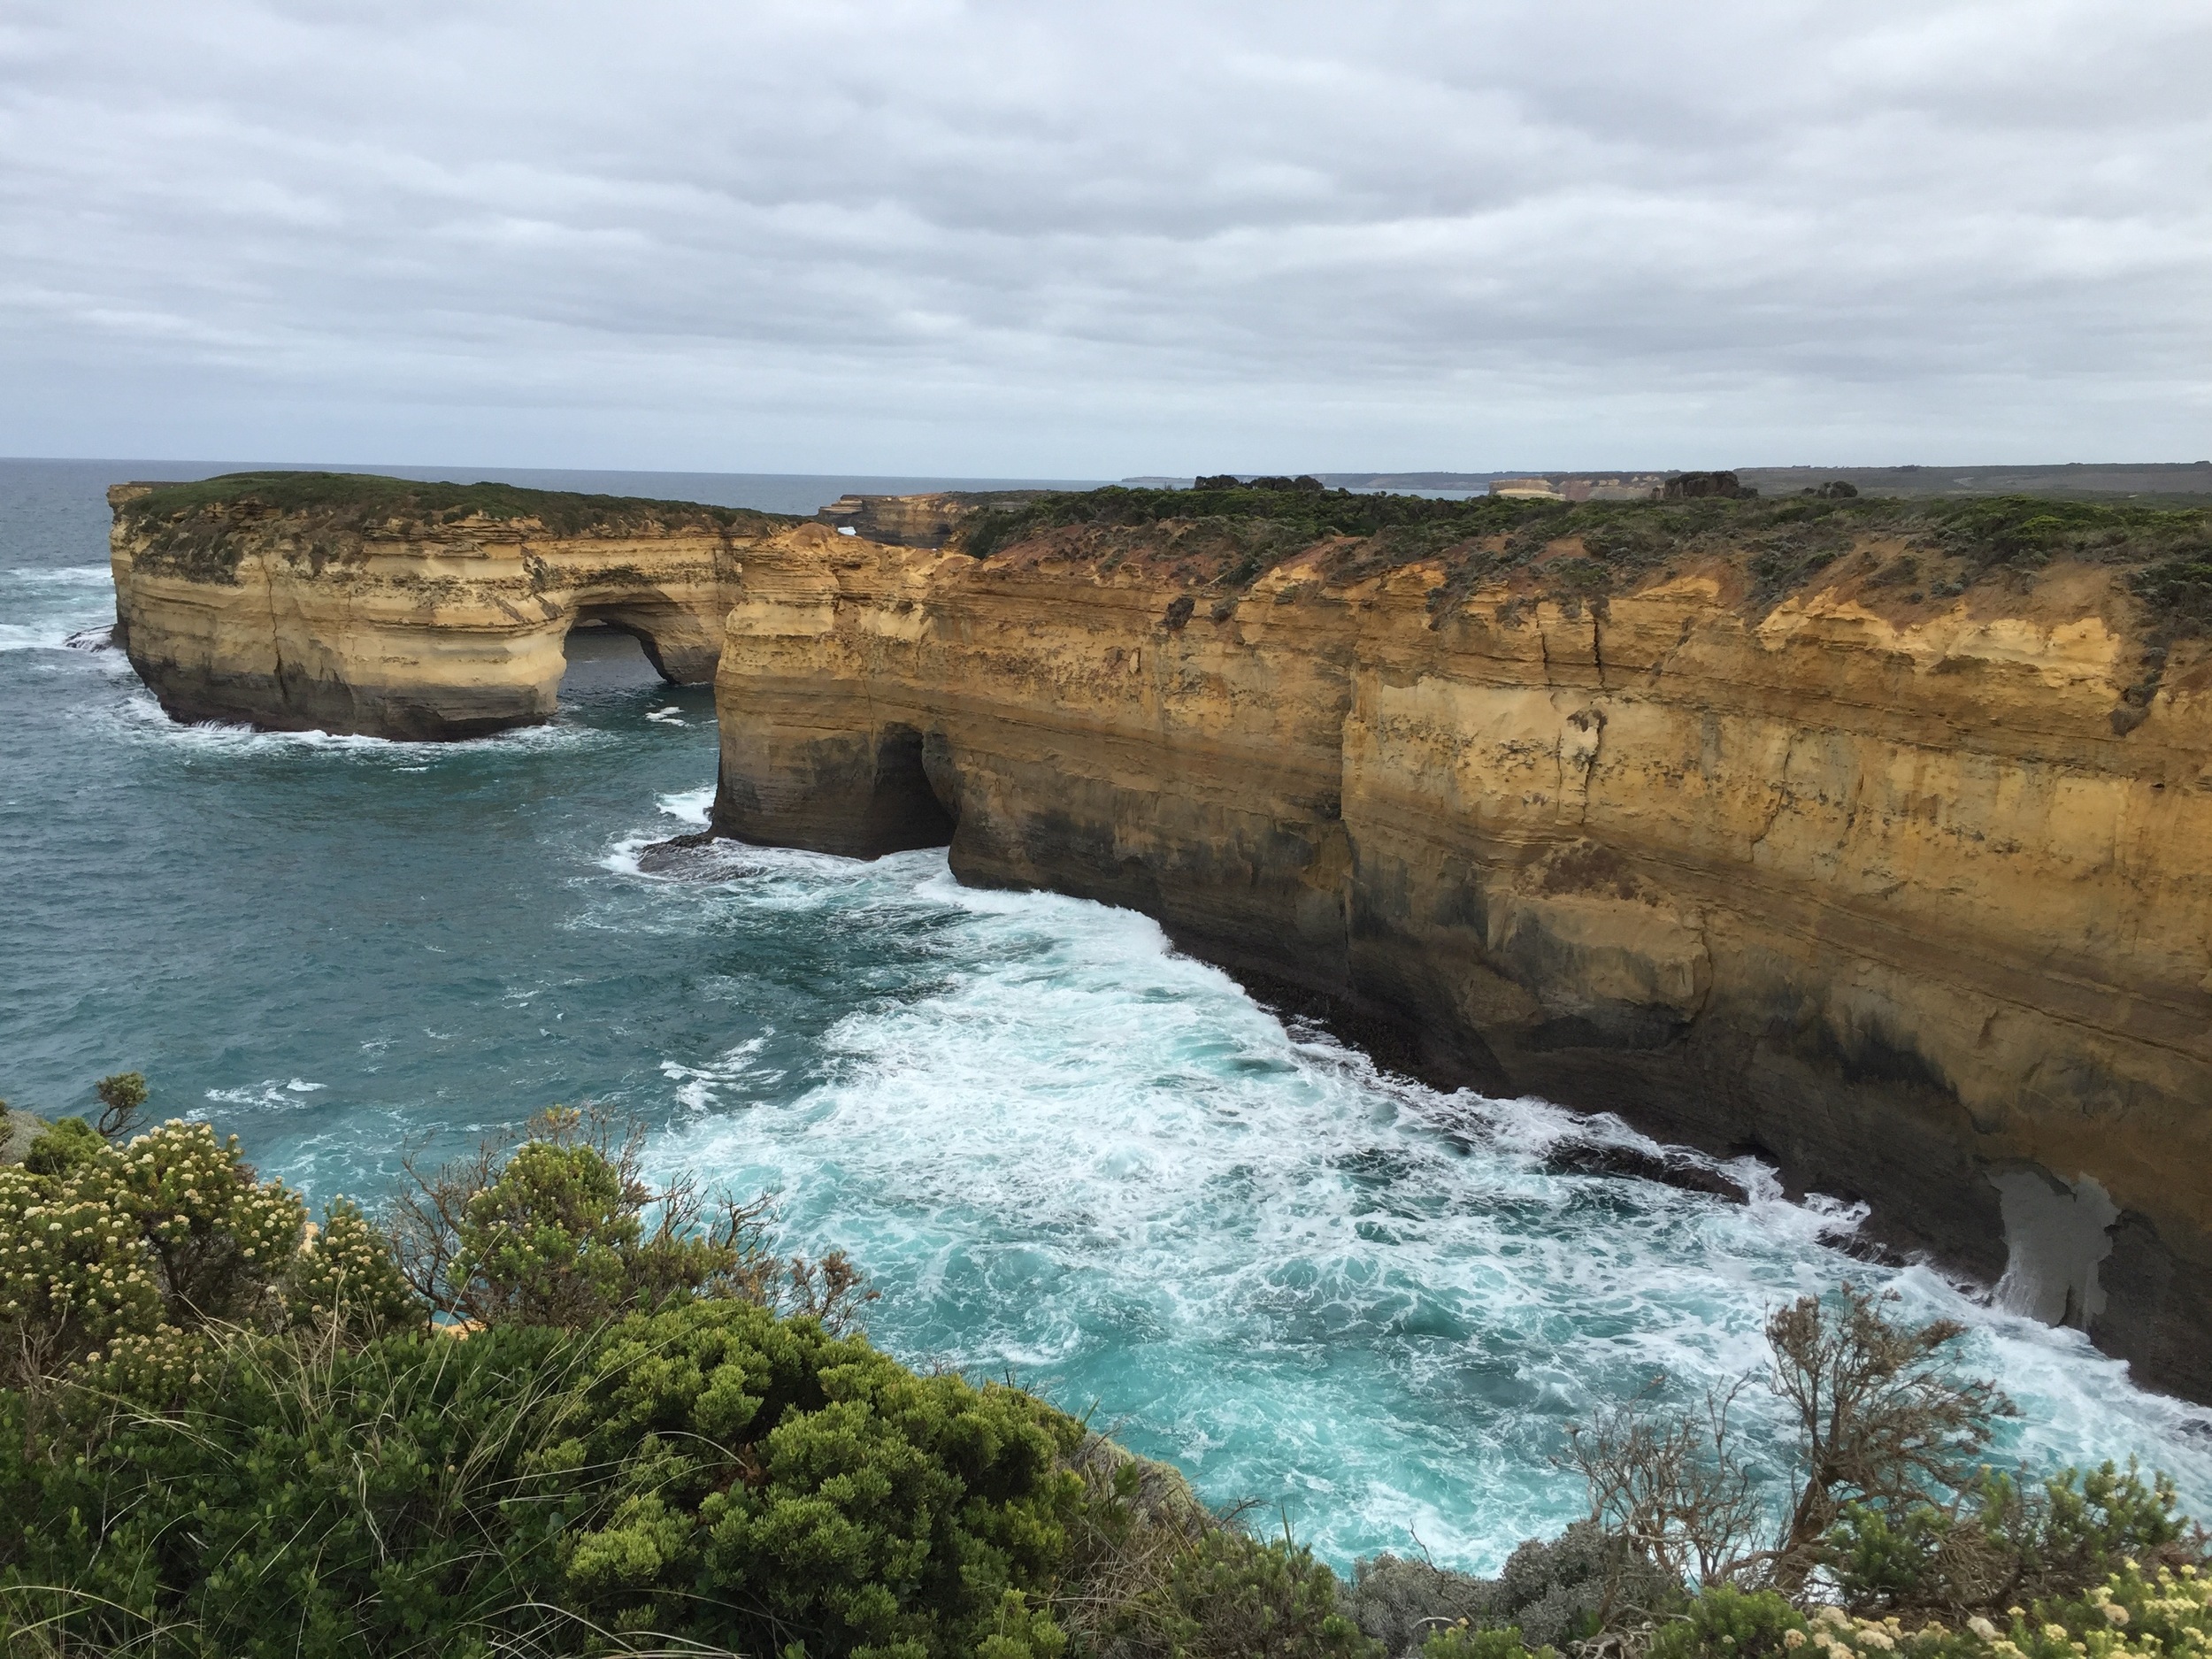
269 1091
774 877
46 604
1099 1162
691 805
736 1069
63 576
140 718
622 858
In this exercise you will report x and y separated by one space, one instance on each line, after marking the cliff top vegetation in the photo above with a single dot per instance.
1228 534
193 528
362 502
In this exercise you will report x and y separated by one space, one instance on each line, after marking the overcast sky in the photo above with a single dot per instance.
1089 239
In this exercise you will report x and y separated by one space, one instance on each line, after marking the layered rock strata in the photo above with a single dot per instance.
404 612
925 521
1882 892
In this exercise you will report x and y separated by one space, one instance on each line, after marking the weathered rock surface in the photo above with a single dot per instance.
1874 886
393 610
926 521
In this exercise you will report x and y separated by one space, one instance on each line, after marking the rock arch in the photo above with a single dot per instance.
677 639
388 609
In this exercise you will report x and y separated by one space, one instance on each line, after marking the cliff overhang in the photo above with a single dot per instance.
1866 836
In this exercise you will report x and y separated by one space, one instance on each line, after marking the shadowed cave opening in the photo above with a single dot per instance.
904 808
606 655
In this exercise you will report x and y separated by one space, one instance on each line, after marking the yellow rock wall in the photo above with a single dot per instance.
1884 895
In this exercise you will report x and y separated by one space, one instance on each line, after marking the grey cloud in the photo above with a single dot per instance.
1077 239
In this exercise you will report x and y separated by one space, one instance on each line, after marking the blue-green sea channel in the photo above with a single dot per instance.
1061 1151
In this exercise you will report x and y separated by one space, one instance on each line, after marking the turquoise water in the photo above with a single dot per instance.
1061 1150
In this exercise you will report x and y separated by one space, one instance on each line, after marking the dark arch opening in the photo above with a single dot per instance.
605 654
904 811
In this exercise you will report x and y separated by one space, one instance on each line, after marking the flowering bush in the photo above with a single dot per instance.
111 1258
218 1236
344 1275
74 1274
2131 1615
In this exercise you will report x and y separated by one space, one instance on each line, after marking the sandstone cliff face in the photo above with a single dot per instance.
407 615
1884 893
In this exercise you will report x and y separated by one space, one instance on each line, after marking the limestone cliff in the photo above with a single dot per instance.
369 605
1871 847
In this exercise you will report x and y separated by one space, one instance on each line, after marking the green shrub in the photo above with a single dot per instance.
365 500
780 1482
1882 1560
552 1228
552 1238
1233 1596
61 1145
344 1275
122 1097
304 1501
1578 1584
245 1438
1465 1641
2178 592
1400 1601
1723 1623
709 1474
2007 1541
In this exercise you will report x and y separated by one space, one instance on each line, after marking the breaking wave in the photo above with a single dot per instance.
1068 1151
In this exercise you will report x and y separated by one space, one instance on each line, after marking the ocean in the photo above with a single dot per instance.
1062 1152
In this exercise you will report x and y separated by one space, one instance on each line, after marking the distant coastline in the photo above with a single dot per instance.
2190 480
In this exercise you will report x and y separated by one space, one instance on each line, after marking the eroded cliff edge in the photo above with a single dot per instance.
385 608
1878 844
